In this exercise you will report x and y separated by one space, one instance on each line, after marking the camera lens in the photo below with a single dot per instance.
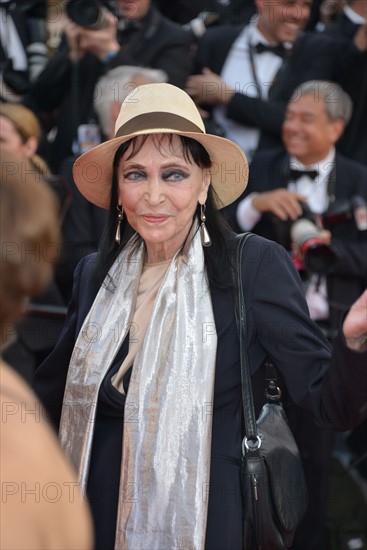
87 13
317 256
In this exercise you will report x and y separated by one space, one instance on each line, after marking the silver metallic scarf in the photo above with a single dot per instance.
166 445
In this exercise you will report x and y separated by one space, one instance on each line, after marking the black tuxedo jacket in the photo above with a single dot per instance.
314 56
353 79
342 28
270 170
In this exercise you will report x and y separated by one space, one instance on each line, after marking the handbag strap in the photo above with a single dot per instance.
252 440
240 312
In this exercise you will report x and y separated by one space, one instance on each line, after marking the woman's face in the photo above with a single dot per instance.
11 141
159 191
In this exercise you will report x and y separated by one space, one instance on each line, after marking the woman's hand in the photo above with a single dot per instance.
355 325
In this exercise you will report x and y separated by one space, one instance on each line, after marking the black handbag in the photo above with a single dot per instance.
273 487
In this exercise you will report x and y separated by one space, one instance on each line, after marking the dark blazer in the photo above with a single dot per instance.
353 79
156 43
278 325
348 278
81 229
314 56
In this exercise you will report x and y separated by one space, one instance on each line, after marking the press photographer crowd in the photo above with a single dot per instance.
139 139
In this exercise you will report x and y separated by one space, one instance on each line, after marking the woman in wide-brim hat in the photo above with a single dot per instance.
145 382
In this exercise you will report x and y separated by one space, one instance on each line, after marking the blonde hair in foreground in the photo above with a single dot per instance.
29 233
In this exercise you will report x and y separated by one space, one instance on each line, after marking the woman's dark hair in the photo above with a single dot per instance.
216 256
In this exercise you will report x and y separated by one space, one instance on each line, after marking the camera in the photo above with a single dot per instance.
303 237
89 14
317 256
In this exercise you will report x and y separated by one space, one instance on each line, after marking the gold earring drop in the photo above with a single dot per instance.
120 215
204 235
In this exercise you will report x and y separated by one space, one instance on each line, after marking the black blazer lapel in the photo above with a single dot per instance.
215 46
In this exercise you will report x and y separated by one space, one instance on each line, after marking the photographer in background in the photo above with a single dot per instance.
303 185
38 332
23 47
137 35
310 180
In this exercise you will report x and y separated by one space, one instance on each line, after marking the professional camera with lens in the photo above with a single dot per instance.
317 256
90 14
303 237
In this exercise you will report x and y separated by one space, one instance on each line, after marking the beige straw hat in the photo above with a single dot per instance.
161 109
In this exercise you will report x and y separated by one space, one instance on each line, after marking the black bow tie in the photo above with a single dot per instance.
276 49
294 174
129 26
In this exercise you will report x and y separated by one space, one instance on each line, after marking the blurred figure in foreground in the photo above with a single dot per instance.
37 333
41 506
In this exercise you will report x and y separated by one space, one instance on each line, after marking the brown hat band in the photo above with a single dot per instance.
148 121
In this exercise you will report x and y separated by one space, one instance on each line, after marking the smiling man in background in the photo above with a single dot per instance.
249 73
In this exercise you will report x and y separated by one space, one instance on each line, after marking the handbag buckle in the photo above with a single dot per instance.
253 446
273 392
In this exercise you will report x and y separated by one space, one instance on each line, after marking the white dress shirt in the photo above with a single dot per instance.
237 74
10 41
315 190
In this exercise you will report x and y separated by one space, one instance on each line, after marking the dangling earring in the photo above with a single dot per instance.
120 215
205 237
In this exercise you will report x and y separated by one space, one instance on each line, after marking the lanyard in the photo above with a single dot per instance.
251 50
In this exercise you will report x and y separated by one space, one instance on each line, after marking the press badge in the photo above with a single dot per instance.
89 136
